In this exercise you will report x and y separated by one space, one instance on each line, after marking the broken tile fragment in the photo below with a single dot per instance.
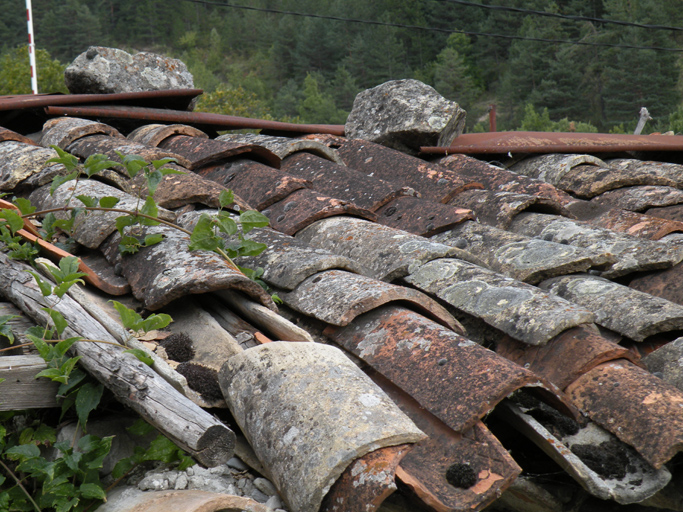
637 407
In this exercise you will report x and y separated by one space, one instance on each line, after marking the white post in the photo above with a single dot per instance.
31 48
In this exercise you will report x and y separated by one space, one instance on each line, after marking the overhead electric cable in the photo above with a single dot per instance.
432 29
562 16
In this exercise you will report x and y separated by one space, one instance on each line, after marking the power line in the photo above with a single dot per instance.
562 16
431 29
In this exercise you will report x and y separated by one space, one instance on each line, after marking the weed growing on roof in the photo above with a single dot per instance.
71 481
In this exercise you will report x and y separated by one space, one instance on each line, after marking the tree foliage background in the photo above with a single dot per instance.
282 66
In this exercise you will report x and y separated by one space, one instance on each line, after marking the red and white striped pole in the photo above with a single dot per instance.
31 48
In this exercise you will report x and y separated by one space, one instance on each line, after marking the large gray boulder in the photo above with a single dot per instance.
110 70
404 115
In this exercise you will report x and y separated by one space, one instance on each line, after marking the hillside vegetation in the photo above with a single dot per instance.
285 66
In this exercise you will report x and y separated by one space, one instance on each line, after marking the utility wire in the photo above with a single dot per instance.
562 16
431 29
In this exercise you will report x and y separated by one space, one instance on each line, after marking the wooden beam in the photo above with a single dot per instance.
20 389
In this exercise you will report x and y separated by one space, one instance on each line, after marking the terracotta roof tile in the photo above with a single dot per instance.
421 217
518 309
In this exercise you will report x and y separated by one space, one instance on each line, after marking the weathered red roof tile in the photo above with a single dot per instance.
504 180
578 349
433 181
518 309
337 297
342 182
303 207
640 198
420 216
284 146
422 358
499 209
260 185
24 166
530 260
154 134
384 253
637 407
632 254
201 152
6 135
63 131
631 313
167 271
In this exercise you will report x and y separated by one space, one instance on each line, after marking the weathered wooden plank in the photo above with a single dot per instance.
132 382
263 317
20 389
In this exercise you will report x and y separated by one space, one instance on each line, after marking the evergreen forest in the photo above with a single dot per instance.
543 63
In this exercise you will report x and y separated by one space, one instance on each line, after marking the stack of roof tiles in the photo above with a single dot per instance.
504 311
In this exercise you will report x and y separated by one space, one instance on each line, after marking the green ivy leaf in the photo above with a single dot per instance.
141 355
162 449
87 399
12 219
92 491
125 221
66 159
22 452
132 163
58 181
140 428
24 205
45 287
62 288
58 320
250 248
153 180
203 237
63 346
149 208
122 467
252 219
129 318
129 245
96 163
155 321
109 201
88 201
226 198
153 239
40 344
163 161
226 223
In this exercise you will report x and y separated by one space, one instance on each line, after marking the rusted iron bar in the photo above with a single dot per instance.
23 101
561 142
217 121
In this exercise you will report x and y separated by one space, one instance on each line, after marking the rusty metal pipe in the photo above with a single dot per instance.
558 142
217 121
